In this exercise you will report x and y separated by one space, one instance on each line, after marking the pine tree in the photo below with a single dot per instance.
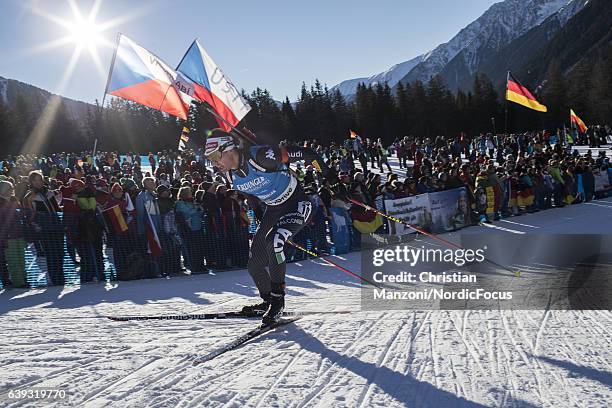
6 131
289 120
554 96
420 109
579 82
343 114
600 97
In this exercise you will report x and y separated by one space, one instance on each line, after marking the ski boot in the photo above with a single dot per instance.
277 305
258 309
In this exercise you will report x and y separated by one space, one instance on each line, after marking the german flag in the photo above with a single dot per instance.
516 92
184 139
574 119
114 218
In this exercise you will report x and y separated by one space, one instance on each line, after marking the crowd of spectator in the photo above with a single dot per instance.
59 204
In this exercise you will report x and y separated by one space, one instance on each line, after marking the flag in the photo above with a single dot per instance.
140 76
153 243
198 71
368 227
353 135
574 119
187 142
517 93
184 139
114 218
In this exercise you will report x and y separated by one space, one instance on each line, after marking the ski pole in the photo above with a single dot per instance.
332 263
367 207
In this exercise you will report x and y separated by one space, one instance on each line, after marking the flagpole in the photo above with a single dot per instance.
506 99
93 153
222 119
110 70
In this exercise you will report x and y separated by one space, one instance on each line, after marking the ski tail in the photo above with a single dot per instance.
217 316
201 316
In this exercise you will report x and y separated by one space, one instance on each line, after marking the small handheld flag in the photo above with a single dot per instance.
153 243
575 120
184 139
517 93
114 218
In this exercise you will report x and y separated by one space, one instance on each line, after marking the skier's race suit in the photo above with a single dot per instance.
264 173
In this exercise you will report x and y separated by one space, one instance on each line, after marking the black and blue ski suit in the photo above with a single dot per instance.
264 173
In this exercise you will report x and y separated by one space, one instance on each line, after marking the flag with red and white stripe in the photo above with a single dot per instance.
209 84
153 242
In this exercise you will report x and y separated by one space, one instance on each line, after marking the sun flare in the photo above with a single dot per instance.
85 33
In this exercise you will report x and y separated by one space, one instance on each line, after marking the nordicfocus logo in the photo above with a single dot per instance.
251 184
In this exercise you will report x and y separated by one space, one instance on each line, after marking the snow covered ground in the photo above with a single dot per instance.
58 338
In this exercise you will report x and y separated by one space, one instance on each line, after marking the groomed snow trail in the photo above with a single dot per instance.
57 337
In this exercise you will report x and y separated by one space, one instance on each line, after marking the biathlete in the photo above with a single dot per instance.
263 172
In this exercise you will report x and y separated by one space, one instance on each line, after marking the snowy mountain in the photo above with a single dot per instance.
502 28
392 76
568 42
479 41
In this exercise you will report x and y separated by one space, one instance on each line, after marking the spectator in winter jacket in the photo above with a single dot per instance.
146 203
170 262
46 224
558 183
189 217
485 196
12 242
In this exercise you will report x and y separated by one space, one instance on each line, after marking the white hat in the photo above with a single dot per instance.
221 144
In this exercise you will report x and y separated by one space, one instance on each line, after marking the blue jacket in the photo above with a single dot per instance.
189 214
147 203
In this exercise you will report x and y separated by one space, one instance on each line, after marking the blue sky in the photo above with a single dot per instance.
268 43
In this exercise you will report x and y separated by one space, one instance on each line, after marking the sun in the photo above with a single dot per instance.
85 33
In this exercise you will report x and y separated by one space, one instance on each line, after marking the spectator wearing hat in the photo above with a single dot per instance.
170 261
46 225
12 242
189 218
147 206
90 233
71 215
122 243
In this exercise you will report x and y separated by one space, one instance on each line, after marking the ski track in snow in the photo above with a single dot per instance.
60 338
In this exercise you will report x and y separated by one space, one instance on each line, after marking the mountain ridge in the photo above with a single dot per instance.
498 26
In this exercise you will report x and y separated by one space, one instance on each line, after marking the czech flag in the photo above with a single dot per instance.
574 119
212 86
153 242
516 92
138 75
